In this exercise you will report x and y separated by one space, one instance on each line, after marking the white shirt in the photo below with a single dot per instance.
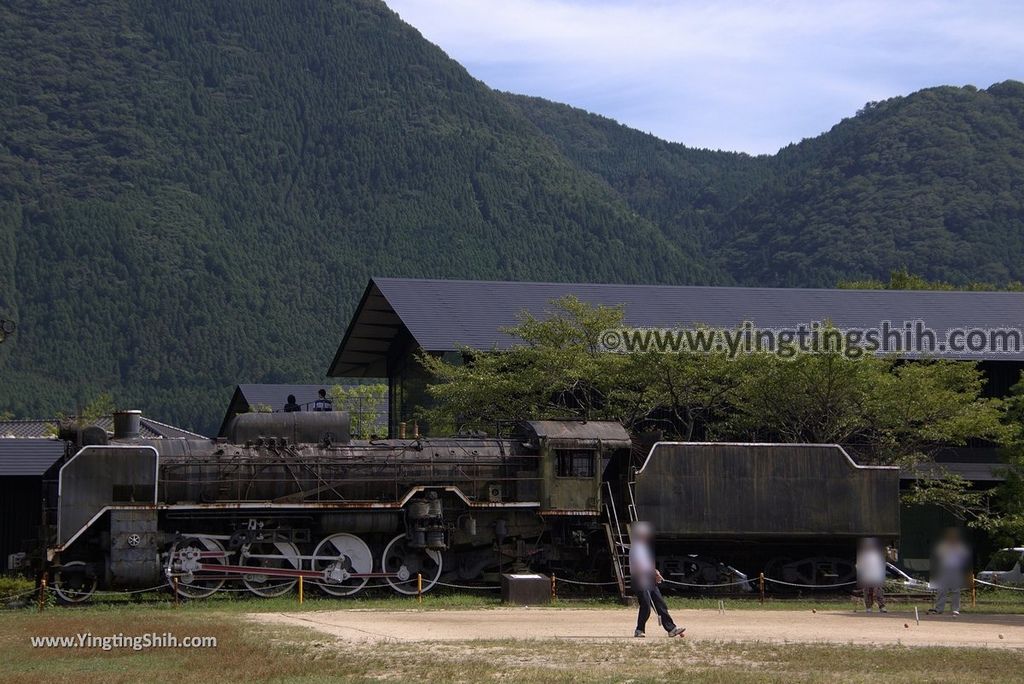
641 564
870 568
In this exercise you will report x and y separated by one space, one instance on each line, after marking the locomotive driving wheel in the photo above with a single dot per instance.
280 554
338 556
73 582
197 585
405 562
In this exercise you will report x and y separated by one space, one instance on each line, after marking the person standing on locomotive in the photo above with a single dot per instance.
646 578
322 403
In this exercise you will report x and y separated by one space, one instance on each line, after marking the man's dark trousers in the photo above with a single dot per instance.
647 597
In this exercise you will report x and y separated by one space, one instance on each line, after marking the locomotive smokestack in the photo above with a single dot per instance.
127 424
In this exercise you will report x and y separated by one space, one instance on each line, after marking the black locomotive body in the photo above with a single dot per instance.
290 495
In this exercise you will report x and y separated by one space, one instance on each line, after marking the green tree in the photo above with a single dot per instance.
882 410
1006 522
558 370
366 405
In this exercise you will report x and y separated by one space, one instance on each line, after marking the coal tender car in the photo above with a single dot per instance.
290 495
791 511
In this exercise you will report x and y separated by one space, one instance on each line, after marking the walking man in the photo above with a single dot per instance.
646 578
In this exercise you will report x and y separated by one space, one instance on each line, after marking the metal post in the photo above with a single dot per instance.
300 590
974 592
419 587
174 581
42 592
760 581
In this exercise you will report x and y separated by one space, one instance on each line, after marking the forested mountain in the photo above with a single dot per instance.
933 181
685 191
194 194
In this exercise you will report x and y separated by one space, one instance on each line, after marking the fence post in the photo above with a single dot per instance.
300 590
554 588
42 592
760 581
419 587
974 592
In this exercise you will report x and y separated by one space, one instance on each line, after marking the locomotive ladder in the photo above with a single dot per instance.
618 535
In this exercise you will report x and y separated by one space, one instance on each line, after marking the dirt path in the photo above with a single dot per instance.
1002 631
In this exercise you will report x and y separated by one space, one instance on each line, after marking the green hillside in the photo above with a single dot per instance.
933 182
196 193
684 191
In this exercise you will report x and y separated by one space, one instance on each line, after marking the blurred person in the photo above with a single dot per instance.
290 406
949 566
646 578
871 573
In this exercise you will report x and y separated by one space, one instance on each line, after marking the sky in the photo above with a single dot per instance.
734 75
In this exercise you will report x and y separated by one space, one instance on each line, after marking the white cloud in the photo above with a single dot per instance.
743 75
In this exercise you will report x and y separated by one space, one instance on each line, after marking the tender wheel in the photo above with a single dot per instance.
270 555
341 555
73 582
197 585
405 562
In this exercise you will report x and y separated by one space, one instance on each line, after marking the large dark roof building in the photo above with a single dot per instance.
399 316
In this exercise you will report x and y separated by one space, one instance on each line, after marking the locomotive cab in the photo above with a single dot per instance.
573 456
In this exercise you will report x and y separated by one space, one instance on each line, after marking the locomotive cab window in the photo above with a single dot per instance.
575 463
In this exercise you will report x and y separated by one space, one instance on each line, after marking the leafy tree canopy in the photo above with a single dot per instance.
883 410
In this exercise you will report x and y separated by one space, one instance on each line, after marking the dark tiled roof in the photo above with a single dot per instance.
443 315
28 457
43 428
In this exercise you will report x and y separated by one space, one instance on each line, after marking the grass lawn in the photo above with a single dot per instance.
261 653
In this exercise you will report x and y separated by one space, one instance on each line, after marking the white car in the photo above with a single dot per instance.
896 581
1005 567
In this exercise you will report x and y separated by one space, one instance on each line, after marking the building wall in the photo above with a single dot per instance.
407 386
20 514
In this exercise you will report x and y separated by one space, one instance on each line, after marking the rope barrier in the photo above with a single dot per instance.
997 586
391 585
463 586
791 584
4 599
72 592
708 586
586 584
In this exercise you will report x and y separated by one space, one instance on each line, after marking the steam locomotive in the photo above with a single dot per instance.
290 495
